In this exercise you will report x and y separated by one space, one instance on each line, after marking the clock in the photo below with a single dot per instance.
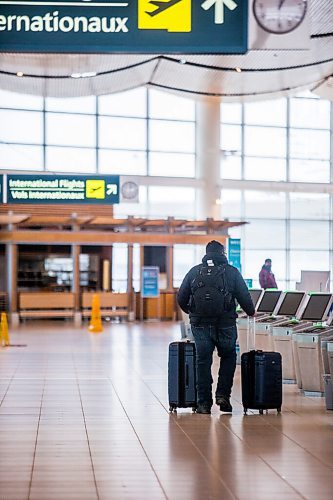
129 190
279 16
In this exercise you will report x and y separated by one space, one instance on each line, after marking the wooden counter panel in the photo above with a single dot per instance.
106 299
46 300
105 238
162 307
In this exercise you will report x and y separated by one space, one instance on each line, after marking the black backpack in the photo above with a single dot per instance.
209 292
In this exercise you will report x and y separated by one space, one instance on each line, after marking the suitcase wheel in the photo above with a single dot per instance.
172 408
194 409
261 411
279 410
245 411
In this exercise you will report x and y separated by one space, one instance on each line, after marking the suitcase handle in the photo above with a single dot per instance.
186 376
251 334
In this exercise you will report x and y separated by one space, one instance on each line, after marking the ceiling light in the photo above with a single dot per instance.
239 70
88 74
19 73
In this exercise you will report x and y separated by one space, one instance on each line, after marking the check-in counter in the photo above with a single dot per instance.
306 343
330 357
265 308
242 320
309 349
282 342
324 355
285 335
290 307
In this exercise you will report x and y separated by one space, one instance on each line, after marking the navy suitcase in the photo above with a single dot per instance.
261 373
182 376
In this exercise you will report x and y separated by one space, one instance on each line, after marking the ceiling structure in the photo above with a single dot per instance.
260 74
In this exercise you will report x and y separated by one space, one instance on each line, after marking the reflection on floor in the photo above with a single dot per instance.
85 416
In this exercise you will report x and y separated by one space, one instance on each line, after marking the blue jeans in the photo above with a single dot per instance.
207 338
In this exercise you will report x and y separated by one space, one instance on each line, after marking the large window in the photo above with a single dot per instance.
281 140
150 133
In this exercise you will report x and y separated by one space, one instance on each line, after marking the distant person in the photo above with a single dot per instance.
266 277
208 294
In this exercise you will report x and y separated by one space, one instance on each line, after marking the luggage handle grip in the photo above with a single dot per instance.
251 334
186 376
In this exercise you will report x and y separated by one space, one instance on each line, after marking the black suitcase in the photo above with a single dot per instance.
182 376
261 373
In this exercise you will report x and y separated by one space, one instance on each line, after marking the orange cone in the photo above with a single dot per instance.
4 336
95 325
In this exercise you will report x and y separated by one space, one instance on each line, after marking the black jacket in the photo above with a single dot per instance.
236 286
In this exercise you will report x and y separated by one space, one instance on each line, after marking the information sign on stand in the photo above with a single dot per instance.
150 286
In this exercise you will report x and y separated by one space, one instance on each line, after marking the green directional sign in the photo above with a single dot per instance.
55 189
133 26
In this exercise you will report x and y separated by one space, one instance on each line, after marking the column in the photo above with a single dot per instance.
11 265
76 250
130 289
208 158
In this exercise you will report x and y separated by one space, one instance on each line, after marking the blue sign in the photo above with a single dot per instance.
249 282
150 287
64 189
132 26
234 253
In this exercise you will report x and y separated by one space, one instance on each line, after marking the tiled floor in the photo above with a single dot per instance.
85 416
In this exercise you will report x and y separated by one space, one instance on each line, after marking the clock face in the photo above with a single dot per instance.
129 190
279 16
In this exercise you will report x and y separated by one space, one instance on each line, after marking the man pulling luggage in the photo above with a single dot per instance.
208 294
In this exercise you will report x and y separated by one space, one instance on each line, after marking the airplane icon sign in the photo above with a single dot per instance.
161 6
169 15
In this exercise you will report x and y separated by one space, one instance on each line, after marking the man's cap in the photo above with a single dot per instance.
214 247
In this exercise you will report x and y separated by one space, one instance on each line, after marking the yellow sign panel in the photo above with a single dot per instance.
95 188
170 15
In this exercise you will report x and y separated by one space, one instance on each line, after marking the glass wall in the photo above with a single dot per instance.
286 140
149 133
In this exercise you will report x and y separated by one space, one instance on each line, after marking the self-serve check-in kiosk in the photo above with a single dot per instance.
288 306
256 294
308 344
265 307
314 309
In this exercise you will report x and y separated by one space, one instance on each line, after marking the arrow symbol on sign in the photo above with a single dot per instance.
111 189
219 8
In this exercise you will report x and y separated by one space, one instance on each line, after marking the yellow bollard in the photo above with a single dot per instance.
4 335
95 325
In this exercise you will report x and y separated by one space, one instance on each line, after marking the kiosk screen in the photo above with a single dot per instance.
255 295
290 304
269 301
316 307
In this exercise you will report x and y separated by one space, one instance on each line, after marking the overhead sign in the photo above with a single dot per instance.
234 253
149 282
136 26
64 189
